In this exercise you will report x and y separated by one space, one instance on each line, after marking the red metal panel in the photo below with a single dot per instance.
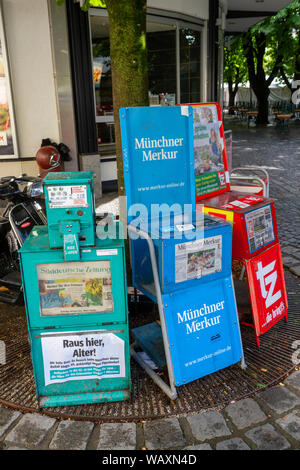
267 289
246 241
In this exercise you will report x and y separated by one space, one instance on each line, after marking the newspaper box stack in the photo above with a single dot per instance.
181 262
76 299
257 263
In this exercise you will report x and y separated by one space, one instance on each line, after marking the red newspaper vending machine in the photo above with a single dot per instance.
256 250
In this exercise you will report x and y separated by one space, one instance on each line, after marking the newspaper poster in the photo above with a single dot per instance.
75 287
88 355
198 258
67 196
8 145
207 114
208 151
260 228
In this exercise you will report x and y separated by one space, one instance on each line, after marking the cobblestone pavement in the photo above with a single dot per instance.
278 151
268 421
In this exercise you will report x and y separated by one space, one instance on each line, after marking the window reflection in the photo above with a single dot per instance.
6 138
102 79
190 71
164 73
161 46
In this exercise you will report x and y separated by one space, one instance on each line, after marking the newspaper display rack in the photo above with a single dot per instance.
76 301
256 249
180 261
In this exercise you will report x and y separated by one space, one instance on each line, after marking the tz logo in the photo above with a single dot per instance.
267 276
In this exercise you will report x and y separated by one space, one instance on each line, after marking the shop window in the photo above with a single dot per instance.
174 68
102 79
161 46
190 65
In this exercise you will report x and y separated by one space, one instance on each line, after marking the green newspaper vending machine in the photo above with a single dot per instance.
76 305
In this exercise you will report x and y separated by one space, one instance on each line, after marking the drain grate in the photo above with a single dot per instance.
265 366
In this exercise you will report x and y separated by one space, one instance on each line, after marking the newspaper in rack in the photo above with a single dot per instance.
198 258
208 150
67 196
260 228
73 288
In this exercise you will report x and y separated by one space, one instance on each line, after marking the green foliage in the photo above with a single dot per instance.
86 4
101 48
93 3
282 23
272 49
282 36
235 65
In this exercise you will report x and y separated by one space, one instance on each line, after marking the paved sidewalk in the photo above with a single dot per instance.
278 151
270 421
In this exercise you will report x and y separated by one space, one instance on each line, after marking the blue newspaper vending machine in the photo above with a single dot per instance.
180 259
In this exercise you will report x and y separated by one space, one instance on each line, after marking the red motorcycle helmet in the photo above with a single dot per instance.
48 159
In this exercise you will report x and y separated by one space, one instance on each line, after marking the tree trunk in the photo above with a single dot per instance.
232 90
232 94
128 53
257 77
296 78
127 31
297 60
262 95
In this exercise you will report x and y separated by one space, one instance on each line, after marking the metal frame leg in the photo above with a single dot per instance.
169 390
247 175
243 362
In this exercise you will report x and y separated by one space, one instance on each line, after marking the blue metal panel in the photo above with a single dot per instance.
158 156
167 259
203 329
149 337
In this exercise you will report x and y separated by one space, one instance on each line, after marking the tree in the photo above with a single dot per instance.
268 47
128 52
127 23
255 44
286 26
290 69
235 67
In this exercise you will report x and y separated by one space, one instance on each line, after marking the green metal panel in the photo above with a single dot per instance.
47 279
83 389
80 350
72 177
74 282
69 198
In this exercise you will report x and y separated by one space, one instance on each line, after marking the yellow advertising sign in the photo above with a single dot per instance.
223 214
